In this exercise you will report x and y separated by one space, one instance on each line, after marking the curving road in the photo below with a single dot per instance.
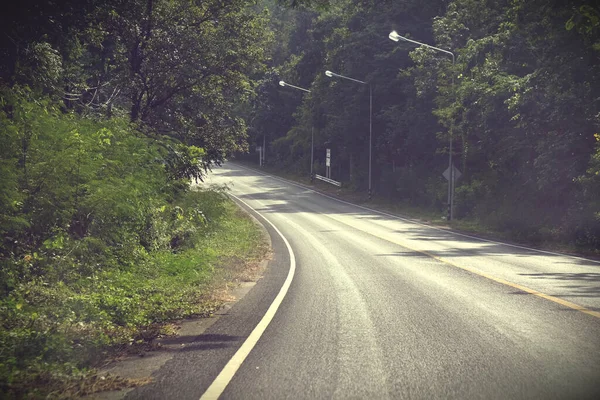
382 307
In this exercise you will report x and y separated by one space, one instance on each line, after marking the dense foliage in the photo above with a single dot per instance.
520 102
100 242
108 111
175 68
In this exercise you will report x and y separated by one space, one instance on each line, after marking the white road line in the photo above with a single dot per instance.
222 380
416 222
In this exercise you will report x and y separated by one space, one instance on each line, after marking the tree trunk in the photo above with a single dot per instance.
136 62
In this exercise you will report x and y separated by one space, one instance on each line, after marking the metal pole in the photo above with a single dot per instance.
370 135
451 174
312 135
333 74
312 151
396 37
451 183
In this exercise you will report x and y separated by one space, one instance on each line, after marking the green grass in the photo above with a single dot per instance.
55 332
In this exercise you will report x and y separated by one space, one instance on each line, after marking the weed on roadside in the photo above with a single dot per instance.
55 332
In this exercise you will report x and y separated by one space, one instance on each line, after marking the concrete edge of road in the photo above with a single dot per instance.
416 222
220 383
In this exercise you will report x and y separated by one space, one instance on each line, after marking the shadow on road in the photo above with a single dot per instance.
463 245
202 342
587 284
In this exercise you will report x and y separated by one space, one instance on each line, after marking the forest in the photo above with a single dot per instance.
111 110
517 96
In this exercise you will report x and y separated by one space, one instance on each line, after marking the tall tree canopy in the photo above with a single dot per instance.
177 68
520 103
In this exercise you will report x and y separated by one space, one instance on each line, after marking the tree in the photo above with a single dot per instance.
520 101
189 65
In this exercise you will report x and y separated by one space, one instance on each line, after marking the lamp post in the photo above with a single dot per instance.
312 130
396 37
334 75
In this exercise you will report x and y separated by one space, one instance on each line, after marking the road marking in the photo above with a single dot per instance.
554 299
222 380
534 292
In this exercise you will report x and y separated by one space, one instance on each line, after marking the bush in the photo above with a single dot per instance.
102 240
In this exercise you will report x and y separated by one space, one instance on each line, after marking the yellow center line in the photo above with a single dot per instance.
534 292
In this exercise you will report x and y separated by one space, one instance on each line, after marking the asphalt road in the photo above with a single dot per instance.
381 307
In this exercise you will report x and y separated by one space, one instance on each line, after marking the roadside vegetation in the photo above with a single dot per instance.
100 246
521 103
422 213
110 111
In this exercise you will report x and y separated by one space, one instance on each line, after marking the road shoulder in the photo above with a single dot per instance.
206 342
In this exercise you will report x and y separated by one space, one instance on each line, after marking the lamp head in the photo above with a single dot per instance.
395 36
329 74
282 83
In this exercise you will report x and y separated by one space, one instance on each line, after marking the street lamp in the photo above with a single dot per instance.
282 83
312 130
334 75
396 37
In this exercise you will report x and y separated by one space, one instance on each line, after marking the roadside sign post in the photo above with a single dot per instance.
328 164
264 150
451 176
327 177
260 156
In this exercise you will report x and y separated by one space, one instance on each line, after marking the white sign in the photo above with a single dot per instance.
328 158
456 173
